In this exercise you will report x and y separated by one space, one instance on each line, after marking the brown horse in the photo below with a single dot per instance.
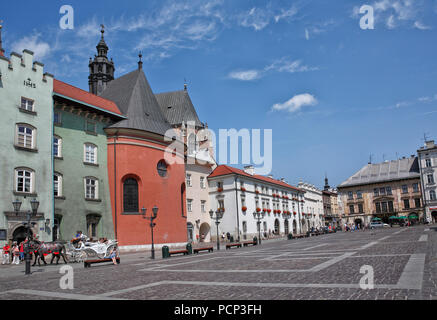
41 249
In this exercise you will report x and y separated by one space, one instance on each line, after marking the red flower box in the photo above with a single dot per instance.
256 191
269 210
243 189
219 189
258 209
294 213
244 209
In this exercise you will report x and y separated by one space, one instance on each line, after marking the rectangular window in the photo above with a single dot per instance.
415 187
202 182
189 205
351 209
57 147
57 185
189 180
417 202
376 192
24 137
432 195
382 191
378 207
24 181
404 188
90 153
203 206
390 206
388 190
360 208
57 118
406 203
91 188
359 195
384 206
430 178
90 127
27 104
428 163
350 195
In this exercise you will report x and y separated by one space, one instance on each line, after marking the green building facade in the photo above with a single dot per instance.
26 167
81 188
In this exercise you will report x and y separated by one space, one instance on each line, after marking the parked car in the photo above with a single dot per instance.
376 224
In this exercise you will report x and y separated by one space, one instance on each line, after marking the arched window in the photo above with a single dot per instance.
130 195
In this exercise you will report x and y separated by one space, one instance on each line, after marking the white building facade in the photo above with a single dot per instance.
239 194
313 207
427 156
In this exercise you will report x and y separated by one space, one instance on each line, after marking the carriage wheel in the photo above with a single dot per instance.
81 256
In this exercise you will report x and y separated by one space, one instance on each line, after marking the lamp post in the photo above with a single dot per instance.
259 216
34 205
218 216
152 224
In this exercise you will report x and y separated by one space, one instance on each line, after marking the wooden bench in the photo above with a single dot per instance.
197 250
254 243
88 263
230 245
184 252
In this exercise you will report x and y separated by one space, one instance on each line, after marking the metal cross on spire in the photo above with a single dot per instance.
102 30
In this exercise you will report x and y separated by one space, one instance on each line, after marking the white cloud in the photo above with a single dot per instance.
296 103
419 25
247 75
260 18
40 48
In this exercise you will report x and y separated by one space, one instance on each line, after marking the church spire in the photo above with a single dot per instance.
140 62
101 68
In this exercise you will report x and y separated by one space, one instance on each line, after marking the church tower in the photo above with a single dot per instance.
101 69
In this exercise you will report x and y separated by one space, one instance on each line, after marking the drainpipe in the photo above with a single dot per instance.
115 185
238 212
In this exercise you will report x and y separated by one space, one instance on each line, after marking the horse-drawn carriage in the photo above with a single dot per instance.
82 250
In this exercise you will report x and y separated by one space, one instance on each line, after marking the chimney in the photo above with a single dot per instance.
249 170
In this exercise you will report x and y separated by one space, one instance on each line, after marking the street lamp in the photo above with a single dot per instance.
152 224
34 204
259 216
218 216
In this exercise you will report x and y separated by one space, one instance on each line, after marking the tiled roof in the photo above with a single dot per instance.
177 107
68 91
223 170
135 98
386 171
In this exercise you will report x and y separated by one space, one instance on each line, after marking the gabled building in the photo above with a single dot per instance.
313 205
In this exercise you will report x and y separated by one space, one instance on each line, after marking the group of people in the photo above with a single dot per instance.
13 254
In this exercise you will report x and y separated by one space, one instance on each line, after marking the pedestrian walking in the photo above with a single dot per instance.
6 251
22 250
15 253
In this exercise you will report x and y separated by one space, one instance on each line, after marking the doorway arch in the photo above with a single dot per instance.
294 226
20 234
286 229
277 227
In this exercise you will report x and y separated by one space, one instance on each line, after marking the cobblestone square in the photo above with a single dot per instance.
322 267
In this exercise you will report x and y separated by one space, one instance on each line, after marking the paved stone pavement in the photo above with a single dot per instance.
403 262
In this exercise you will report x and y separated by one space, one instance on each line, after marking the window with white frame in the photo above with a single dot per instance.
27 104
428 163
430 178
57 147
189 205
432 195
203 206
57 185
189 180
202 182
24 180
25 136
91 188
90 153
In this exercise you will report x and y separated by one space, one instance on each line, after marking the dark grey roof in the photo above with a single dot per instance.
405 168
135 99
177 107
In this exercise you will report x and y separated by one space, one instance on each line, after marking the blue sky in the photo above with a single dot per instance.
333 93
